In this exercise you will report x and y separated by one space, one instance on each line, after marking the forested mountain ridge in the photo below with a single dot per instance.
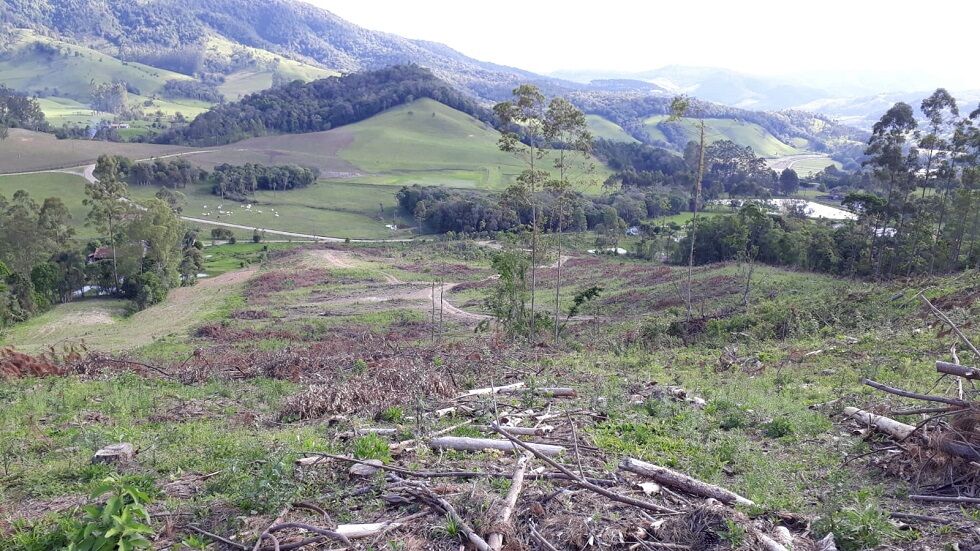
321 105
174 33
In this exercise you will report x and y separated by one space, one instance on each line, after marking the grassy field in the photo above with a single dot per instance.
426 142
103 324
25 151
260 75
255 373
68 187
608 130
326 208
743 133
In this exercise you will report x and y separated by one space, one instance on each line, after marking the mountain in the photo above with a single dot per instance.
174 34
713 84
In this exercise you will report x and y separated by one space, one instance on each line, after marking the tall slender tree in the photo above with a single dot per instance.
524 120
679 108
942 113
886 156
567 131
106 197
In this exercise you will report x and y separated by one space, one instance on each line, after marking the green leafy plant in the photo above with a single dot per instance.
862 524
778 428
372 446
122 523
734 533
393 414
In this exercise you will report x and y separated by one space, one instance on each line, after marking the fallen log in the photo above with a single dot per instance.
496 539
958 370
547 392
946 499
901 431
490 390
463 443
543 430
682 482
891 427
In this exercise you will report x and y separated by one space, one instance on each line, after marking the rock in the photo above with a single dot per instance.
361 469
115 453
649 488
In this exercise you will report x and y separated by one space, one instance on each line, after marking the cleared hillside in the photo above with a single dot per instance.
743 133
606 129
37 64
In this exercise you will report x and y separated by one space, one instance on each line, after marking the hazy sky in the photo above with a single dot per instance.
768 37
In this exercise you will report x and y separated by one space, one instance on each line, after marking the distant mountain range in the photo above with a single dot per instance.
847 98
244 46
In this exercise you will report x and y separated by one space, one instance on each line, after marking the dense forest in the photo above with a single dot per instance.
320 105
442 210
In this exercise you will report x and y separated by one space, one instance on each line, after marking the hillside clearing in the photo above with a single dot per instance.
743 133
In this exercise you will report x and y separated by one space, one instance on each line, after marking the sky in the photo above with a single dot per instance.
763 37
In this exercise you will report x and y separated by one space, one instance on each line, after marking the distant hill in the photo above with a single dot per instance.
320 105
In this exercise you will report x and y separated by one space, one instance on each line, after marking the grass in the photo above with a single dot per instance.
326 208
608 130
25 151
259 75
68 187
743 133
72 72
758 434
426 142
100 323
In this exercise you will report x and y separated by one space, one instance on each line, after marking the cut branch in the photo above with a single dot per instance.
583 482
682 482
958 370
916 395
496 539
463 443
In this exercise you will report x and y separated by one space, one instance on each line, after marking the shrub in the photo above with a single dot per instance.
778 428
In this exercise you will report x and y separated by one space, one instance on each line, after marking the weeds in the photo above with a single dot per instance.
372 446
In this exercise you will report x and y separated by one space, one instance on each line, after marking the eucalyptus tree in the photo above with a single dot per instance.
679 108
887 157
523 119
566 130
943 142
106 198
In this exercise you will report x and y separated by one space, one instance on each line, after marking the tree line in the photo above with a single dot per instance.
19 111
227 181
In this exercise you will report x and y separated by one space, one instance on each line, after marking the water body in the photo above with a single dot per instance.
810 208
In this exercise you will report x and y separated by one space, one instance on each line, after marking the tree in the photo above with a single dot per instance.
526 114
886 155
789 181
566 129
679 108
106 198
